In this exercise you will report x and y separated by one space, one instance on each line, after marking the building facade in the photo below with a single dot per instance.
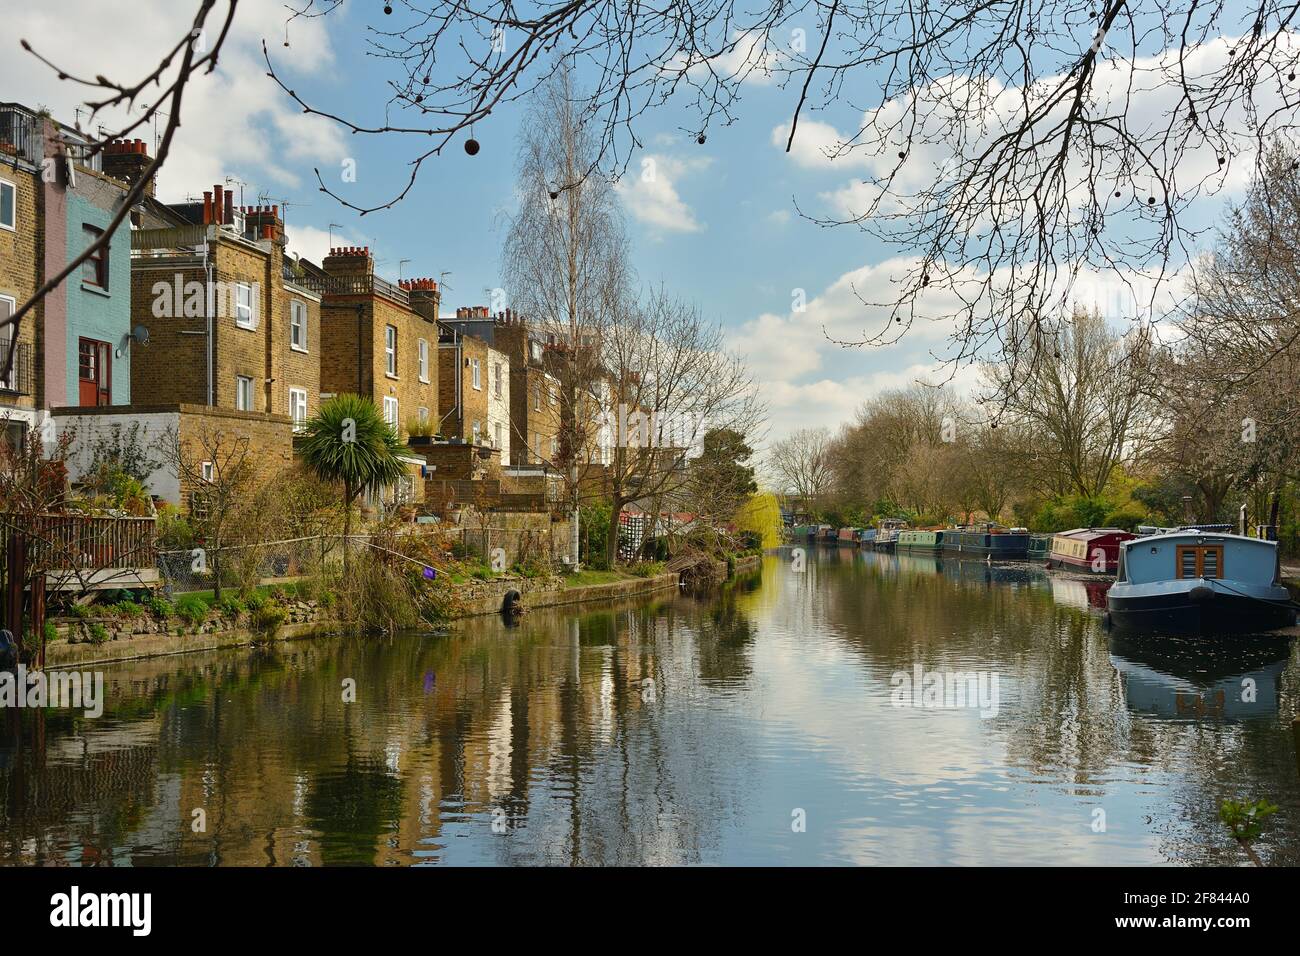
474 392
231 322
379 339
75 347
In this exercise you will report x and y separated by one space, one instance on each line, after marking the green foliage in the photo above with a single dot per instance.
174 531
51 632
79 610
1244 820
192 609
269 616
1125 518
160 607
348 441
646 569
127 609
594 521
98 633
1075 511
231 606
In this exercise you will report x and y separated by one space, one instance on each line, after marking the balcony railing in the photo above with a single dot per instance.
19 379
21 134
347 285
57 542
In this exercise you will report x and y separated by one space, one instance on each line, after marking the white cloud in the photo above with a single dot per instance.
314 244
651 196
236 122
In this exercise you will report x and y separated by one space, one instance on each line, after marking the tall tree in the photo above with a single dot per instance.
565 263
802 463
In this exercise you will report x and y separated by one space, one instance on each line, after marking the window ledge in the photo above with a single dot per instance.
395 378
298 348
96 289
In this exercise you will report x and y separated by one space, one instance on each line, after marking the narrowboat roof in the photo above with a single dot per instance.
1090 534
1174 534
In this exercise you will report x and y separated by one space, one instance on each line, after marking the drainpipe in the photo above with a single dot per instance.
208 267
360 311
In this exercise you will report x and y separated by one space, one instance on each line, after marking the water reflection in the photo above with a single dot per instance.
678 731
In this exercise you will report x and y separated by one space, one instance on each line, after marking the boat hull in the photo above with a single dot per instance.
1199 606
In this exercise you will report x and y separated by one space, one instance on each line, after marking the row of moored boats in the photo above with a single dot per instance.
1193 577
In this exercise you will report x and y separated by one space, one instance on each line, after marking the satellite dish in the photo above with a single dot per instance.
140 334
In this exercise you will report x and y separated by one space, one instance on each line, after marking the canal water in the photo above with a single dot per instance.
795 718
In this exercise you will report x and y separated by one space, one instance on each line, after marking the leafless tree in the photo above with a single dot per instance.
1085 407
673 382
1008 146
802 463
216 468
565 265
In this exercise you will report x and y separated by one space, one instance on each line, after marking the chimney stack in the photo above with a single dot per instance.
424 297
126 161
349 261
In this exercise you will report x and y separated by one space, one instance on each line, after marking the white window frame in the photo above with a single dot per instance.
390 350
245 312
205 471
298 323
423 349
392 417
10 383
298 399
240 404
496 435
496 386
11 226
476 375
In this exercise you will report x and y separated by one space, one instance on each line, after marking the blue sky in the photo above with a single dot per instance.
718 226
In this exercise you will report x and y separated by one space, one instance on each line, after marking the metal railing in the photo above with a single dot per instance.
19 379
21 134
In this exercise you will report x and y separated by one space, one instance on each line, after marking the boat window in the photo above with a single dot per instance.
1200 561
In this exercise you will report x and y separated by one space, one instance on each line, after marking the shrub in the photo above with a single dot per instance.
98 633
79 610
160 607
51 632
127 609
1125 518
269 616
646 569
231 606
192 609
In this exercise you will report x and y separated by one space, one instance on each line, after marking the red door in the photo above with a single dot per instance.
94 373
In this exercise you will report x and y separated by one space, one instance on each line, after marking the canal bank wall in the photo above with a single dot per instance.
479 598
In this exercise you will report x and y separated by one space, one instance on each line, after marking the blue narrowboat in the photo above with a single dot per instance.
1190 580
867 540
989 541
826 534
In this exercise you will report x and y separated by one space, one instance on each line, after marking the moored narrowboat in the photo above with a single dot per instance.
887 535
1040 546
927 541
990 541
867 540
803 534
1202 582
1095 550
826 534
848 537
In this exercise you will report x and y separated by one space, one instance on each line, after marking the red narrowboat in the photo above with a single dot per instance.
1095 550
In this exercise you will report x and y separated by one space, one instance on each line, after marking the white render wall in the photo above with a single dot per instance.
499 408
164 482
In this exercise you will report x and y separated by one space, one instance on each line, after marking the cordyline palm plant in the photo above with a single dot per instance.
349 442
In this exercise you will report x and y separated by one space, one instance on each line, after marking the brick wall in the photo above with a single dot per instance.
19 267
364 316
